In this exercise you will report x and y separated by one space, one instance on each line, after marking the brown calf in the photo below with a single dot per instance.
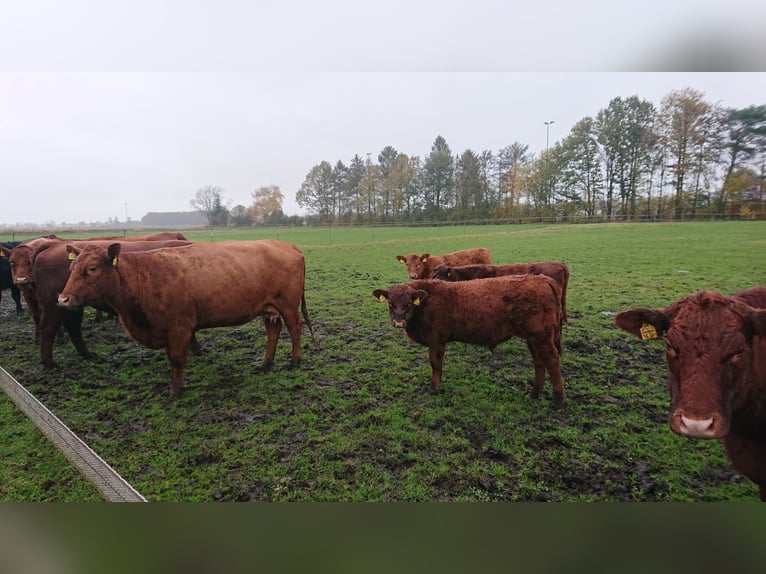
486 313
715 347
559 272
164 296
420 266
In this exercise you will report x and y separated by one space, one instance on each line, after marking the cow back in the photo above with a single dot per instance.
214 284
489 311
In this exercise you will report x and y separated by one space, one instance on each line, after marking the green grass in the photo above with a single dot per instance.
353 422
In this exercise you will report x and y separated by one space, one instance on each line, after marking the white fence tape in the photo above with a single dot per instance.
111 485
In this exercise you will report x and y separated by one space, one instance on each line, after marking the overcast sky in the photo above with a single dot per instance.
268 90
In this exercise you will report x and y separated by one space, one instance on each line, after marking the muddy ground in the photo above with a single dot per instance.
327 431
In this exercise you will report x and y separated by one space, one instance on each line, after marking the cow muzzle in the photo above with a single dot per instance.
711 425
68 301
22 281
399 323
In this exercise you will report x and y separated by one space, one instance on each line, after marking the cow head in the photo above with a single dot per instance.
709 347
403 302
443 272
92 275
20 259
414 263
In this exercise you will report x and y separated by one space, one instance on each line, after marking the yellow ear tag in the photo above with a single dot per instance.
71 256
416 301
424 259
114 262
648 331
382 299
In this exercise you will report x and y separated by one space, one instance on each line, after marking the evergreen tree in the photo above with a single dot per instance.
438 171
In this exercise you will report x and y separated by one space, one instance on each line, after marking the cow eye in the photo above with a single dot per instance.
92 269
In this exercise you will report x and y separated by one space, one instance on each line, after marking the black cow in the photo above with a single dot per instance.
6 280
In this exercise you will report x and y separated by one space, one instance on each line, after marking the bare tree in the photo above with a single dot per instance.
209 201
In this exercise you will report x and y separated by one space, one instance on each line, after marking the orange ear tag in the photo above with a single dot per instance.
648 331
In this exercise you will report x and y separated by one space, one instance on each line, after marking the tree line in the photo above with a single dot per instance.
632 160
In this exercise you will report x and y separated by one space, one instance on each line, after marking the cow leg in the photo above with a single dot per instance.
49 327
194 346
73 325
539 384
292 321
273 325
34 310
177 355
16 295
553 366
546 358
436 358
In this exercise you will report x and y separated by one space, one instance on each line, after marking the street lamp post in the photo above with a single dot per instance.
547 132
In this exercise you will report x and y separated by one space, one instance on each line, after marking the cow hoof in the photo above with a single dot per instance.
558 402
534 394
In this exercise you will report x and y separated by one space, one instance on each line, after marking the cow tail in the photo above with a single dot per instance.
305 314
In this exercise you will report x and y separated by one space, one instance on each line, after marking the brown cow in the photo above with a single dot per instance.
559 272
486 313
21 259
716 356
41 269
164 296
420 266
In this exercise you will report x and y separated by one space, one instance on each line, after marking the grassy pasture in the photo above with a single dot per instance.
353 422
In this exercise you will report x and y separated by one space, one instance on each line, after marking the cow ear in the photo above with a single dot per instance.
380 295
755 323
401 259
418 296
72 252
425 257
113 251
643 323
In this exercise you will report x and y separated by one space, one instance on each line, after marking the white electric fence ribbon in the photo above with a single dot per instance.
111 485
